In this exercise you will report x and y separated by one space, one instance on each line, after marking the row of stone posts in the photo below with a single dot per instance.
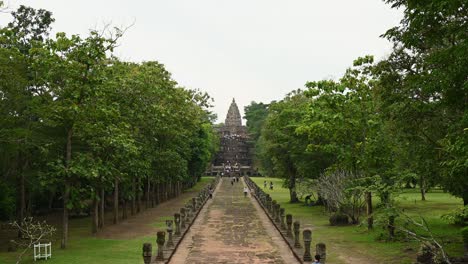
168 240
290 230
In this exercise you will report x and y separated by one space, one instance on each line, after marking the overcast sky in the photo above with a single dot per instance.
253 50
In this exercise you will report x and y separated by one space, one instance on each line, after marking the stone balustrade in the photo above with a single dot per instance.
177 228
289 229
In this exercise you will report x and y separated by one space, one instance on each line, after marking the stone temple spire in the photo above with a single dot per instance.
233 118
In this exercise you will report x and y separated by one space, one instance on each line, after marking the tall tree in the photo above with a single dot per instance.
424 84
21 97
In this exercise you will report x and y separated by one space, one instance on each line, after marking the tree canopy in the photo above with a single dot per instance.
79 124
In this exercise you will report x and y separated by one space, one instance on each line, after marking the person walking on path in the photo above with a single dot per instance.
271 185
246 190
265 184
317 259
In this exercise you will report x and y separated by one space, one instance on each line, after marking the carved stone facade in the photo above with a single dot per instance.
235 154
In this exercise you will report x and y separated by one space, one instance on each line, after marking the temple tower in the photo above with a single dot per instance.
235 154
233 117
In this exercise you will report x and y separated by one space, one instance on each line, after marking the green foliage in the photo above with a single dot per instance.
399 120
458 217
464 233
281 145
7 201
373 245
77 120
255 114
423 86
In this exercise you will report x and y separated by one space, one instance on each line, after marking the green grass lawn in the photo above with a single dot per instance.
346 242
84 248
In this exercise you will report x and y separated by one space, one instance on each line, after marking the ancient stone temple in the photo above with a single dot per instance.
235 153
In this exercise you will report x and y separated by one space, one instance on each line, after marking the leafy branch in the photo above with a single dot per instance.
426 236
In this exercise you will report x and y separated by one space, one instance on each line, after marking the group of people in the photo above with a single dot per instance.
236 179
265 184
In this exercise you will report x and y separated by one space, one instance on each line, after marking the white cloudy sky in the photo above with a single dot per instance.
253 50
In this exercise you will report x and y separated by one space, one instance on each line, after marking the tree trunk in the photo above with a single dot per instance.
153 197
133 201
116 201
66 195
138 196
169 190
95 223
370 218
66 198
292 190
102 208
391 226
156 193
29 205
148 187
292 183
422 186
160 192
124 209
21 201
50 201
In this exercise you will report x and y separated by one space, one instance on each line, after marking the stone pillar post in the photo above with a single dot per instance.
283 225
297 226
169 229
147 253
289 223
307 236
268 203
277 213
194 204
273 209
177 224
161 238
321 250
187 213
182 217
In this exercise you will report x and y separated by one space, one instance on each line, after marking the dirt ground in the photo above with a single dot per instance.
140 224
134 226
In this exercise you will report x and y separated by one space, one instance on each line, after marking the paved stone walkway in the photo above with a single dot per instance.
232 228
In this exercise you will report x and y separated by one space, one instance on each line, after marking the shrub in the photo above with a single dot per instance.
342 192
338 219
